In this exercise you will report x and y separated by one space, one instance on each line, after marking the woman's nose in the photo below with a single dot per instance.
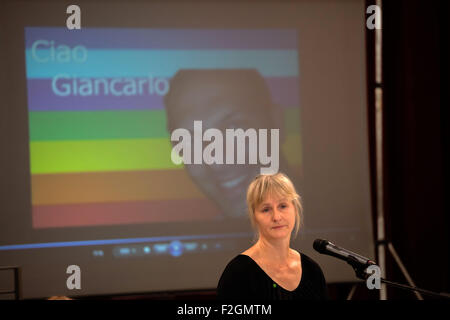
276 215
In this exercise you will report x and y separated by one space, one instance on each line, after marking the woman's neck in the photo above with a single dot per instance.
277 252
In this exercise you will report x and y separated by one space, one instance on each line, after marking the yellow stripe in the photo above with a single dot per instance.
100 155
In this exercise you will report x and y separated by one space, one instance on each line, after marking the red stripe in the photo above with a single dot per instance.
77 215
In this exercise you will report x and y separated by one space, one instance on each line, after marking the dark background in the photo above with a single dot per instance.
415 37
416 91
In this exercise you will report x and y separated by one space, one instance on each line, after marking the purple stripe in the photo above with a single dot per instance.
165 38
42 98
284 91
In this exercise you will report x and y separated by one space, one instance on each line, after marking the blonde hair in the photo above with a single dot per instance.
278 185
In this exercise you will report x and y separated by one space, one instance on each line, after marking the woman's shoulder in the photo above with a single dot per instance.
314 283
308 262
237 280
239 263
241 268
307 258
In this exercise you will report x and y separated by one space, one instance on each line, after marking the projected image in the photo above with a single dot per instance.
227 100
102 105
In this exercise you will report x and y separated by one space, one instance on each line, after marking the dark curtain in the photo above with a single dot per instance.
415 85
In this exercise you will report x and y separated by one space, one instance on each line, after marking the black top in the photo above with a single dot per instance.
244 279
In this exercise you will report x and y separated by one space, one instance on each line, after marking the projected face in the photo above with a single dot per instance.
221 100
275 218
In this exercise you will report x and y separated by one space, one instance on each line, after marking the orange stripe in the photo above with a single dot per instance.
94 214
118 186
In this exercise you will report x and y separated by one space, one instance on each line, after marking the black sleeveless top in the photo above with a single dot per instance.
244 279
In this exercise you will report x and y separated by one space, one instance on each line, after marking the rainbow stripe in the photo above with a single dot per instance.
284 92
165 63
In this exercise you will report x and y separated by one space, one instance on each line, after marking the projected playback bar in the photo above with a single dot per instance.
174 248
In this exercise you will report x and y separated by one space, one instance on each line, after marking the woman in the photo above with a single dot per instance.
270 269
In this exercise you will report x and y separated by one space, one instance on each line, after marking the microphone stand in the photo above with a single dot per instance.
361 273
426 292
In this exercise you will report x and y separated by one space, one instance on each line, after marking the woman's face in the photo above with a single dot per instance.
275 218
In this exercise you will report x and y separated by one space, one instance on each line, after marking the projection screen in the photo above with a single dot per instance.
87 172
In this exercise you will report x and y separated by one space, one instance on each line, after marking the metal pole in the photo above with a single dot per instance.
379 155
352 292
403 269
17 283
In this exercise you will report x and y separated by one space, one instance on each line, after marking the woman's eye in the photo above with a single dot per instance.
265 210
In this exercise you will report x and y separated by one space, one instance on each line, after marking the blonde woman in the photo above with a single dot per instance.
270 269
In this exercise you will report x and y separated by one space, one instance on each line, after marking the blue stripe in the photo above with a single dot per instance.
117 241
164 63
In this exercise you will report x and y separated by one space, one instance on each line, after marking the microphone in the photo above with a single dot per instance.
355 260
360 264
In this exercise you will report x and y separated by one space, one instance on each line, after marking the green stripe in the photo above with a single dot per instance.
97 125
100 155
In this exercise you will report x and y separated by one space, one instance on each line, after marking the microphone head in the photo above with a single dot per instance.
320 244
